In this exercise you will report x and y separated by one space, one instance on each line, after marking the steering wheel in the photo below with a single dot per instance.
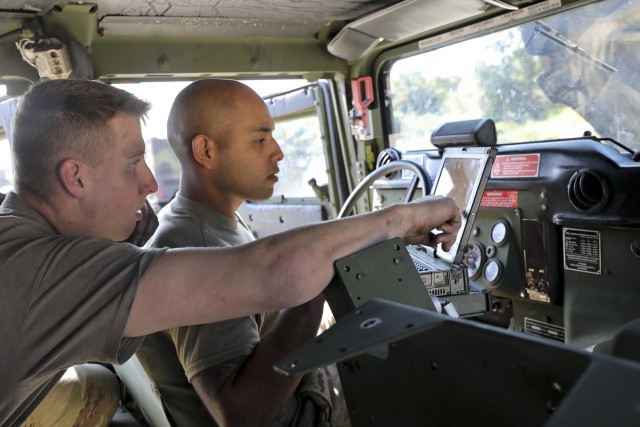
395 165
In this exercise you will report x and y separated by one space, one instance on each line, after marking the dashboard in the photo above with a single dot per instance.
556 239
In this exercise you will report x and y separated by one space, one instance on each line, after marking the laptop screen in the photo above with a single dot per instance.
462 176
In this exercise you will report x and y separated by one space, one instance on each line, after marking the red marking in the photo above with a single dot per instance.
516 166
499 199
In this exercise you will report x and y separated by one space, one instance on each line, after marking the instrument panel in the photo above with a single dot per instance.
556 239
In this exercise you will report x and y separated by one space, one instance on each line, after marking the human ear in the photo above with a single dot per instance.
201 147
70 172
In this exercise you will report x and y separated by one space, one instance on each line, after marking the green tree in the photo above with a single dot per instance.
510 90
413 94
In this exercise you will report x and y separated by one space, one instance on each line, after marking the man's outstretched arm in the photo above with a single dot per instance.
190 285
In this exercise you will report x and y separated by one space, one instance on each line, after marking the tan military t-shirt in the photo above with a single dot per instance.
174 357
63 301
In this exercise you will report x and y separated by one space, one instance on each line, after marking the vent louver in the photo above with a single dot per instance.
588 191
386 156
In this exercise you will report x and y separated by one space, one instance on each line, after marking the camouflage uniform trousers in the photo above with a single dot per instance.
86 396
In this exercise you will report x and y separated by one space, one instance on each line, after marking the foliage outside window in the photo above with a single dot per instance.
559 77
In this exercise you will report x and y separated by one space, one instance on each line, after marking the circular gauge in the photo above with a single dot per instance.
473 257
491 251
499 233
492 271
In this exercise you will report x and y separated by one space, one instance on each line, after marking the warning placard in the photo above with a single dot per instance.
516 166
499 199
582 250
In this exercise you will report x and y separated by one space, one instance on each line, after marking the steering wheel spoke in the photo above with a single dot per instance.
419 175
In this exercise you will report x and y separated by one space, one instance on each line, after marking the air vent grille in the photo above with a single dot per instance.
588 191
386 156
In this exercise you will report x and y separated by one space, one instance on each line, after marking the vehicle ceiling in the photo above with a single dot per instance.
293 17
178 38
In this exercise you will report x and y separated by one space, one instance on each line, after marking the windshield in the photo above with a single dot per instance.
568 74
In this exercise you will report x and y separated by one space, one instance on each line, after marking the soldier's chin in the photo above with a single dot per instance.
262 197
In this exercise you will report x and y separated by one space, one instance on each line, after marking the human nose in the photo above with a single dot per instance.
278 154
149 184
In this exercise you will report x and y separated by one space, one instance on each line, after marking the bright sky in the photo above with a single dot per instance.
5 151
5 162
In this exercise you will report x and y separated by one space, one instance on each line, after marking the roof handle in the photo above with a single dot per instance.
501 4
